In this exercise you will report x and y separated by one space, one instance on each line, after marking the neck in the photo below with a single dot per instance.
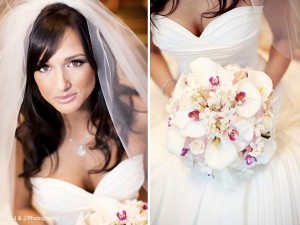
76 123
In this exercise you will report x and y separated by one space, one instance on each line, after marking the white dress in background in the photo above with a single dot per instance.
181 195
55 198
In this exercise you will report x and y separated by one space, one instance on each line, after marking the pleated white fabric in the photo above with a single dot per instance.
62 202
182 195
232 37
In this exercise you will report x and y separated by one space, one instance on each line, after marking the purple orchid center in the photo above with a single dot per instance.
169 122
233 135
240 97
214 80
184 151
248 148
194 114
145 206
122 215
250 159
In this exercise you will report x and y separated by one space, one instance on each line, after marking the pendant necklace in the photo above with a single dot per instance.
80 147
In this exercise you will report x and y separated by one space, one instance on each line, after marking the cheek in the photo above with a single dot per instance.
43 85
87 82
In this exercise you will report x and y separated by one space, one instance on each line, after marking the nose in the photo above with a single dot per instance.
62 81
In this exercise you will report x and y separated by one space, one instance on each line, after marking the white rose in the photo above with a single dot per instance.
186 102
197 146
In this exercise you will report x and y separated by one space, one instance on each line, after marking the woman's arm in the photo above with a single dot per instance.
160 71
276 65
22 205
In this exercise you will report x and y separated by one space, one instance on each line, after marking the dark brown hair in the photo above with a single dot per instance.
156 6
42 128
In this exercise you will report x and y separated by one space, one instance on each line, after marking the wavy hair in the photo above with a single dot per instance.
156 6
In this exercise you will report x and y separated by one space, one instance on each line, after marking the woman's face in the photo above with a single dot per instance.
67 79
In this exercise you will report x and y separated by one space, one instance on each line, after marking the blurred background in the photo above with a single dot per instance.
133 13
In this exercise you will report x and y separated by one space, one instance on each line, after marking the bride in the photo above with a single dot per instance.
227 33
80 111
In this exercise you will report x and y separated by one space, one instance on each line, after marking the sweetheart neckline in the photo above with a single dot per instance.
210 23
99 183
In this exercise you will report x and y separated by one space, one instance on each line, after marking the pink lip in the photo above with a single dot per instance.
66 98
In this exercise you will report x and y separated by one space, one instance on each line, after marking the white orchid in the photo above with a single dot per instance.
241 134
175 141
208 73
262 82
248 99
193 129
182 118
220 153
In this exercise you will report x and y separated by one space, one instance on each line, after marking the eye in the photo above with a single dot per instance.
44 68
76 63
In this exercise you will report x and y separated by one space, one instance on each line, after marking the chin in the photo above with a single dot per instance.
67 108
63 111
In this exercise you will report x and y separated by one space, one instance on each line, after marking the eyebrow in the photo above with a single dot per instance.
74 56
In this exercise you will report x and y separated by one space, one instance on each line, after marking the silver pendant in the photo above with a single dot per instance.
81 151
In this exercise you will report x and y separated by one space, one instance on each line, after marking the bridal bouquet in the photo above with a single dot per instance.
108 211
221 119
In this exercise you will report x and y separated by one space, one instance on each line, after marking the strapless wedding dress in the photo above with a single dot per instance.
61 203
180 195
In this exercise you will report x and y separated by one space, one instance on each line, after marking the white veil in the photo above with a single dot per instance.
283 17
113 44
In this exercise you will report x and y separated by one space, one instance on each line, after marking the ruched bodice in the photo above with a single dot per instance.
229 38
65 201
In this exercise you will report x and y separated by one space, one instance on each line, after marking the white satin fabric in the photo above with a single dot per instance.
57 199
182 195
232 37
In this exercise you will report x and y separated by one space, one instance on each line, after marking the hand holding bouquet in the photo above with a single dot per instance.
221 119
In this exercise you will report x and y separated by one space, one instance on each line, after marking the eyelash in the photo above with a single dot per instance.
74 63
42 67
